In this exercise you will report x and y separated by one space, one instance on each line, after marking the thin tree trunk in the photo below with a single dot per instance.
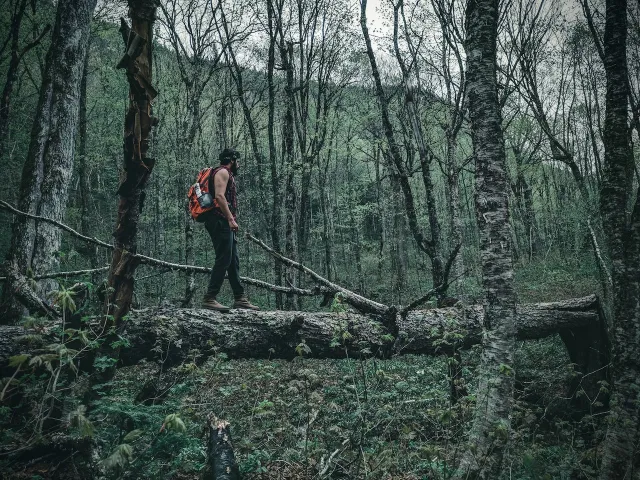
286 54
12 72
491 422
84 172
324 209
453 201
275 180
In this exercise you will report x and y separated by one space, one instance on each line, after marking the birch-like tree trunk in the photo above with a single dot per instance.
47 170
623 239
489 436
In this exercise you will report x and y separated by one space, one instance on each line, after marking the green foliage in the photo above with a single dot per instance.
119 458
303 349
18 360
64 299
122 342
174 422
338 305
103 363
78 420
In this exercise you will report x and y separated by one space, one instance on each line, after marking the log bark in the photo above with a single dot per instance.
276 334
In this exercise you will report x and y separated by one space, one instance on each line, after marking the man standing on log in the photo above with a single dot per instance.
221 224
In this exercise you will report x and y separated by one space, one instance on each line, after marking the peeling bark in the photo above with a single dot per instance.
138 122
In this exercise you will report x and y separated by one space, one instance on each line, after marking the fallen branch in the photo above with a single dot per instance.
416 303
6 206
154 262
358 301
72 273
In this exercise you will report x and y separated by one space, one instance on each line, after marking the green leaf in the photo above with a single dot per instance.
132 436
174 422
18 360
78 420
119 458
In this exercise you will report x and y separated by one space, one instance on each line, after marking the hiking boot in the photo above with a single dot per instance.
243 302
211 303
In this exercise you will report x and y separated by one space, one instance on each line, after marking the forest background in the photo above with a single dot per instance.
318 182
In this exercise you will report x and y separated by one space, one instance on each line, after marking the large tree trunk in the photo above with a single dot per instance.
66 75
49 164
623 239
491 423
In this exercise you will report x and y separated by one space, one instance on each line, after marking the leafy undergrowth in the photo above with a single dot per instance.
316 419
356 418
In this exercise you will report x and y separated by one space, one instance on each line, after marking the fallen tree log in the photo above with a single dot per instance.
277 334
176 335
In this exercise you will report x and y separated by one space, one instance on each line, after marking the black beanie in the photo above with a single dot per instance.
228 155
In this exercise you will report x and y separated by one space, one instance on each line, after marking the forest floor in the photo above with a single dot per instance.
354 418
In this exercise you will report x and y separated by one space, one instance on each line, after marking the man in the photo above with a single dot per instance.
221 224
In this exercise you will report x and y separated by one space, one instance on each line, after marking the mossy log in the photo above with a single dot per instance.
285 334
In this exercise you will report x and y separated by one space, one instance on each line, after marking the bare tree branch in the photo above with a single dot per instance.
361 303
154 262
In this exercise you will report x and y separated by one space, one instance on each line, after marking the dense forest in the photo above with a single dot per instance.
438 217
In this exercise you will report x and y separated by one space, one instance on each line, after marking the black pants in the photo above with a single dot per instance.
227 261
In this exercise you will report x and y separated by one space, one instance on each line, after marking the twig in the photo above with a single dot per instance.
435 290
420 300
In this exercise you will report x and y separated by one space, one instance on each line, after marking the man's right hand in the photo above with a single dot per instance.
233 225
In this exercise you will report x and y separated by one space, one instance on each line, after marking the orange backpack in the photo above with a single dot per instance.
200 198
